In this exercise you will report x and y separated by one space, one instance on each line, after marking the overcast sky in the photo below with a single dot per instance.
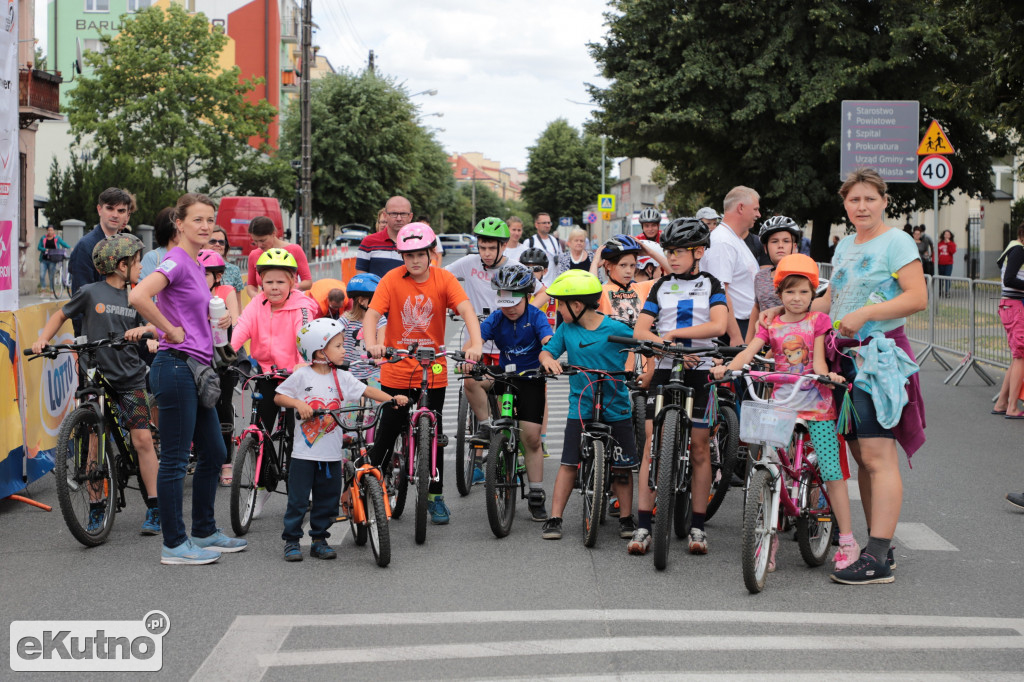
502 70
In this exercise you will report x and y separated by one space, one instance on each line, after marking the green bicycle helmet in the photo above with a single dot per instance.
492 228
112 250
577 285
276 259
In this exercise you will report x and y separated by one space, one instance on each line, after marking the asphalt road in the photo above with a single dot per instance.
466 605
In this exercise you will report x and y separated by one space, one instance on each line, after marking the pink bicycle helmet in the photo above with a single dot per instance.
415 237
210 259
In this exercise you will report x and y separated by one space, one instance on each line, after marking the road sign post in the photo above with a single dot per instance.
881 135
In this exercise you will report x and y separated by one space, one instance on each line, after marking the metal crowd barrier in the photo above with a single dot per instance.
961 321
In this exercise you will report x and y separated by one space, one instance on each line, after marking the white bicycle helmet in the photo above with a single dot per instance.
313 336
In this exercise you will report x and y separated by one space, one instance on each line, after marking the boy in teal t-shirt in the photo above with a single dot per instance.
583 336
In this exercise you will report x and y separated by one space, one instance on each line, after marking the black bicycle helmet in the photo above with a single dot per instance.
513 277
649 215
780 223
684 233
618 246
534 256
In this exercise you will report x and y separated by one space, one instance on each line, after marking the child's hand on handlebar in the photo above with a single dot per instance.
402 400
304 410
718 371
551 366
38 346
836 378
473 351
375 351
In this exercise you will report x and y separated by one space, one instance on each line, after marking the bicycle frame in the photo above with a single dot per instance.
421 355
259 433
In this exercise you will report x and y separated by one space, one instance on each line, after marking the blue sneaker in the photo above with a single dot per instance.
478 475
292 552
439 514
151 526
96 519
321 550
188 554
218 542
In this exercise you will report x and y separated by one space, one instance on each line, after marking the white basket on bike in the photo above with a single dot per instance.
768 423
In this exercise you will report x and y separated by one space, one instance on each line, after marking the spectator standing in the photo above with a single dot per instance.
946 250
547 242
732 262
48 244
925 249
576 257
514 247
1011 313
377 254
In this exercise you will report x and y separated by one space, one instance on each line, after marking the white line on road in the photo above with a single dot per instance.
920 536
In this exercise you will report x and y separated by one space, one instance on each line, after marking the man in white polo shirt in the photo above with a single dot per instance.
731 262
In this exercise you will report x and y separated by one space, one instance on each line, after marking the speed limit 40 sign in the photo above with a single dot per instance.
935 171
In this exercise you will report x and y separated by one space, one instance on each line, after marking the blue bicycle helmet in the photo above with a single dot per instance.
363 284
618 246
513 277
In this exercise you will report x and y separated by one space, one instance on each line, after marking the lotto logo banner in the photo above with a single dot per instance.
89 645
6 257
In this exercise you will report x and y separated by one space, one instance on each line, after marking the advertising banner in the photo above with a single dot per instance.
9 165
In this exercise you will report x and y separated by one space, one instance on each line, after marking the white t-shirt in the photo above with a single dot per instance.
553 248
320 439
731 263
513 252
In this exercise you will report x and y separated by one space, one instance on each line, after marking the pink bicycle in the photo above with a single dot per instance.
784 480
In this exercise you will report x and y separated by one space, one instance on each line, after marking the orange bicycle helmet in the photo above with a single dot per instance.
797 264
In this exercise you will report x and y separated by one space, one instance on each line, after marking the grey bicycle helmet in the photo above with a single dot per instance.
513 277
649 215
779 223
534 256
685 232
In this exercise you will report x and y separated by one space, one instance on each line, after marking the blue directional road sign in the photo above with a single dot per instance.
882 135
565 221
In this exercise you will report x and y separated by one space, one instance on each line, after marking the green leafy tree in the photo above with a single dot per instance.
563 171
750 93
431 189
366 146
73 190
157 94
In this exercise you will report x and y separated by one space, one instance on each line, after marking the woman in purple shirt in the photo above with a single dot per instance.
182 315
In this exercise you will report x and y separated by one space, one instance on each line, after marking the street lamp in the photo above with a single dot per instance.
430 93
439 114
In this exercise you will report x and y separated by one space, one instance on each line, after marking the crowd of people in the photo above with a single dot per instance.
526 302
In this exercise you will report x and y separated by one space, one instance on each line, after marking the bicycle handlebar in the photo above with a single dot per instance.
477 370
334 414
649 348
51 351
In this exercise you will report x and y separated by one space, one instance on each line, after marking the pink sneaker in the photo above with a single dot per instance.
846 555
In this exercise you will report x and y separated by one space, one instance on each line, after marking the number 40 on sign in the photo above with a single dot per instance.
935 171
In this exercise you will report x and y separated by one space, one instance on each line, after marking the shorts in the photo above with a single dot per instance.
697 379
490 359
624 456
1011 312
865 424
134 406
529 398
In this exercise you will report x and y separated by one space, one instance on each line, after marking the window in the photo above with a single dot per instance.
465 171
97 5
93 45
136 5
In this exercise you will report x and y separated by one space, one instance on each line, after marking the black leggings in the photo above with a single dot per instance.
394 420
226 410
267 411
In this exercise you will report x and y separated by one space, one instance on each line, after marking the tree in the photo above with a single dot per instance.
750 93
563 171
158 95
431 189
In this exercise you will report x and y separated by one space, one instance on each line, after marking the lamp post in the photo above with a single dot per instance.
429 93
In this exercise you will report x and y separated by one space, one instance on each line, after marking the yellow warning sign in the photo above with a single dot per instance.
935 141
606 215
606 202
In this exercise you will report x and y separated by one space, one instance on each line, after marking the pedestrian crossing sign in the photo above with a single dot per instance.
606 202
935 141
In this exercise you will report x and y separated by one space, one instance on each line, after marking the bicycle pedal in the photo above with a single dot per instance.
442 441
339 518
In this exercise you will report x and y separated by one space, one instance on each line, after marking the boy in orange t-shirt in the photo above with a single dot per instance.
414 298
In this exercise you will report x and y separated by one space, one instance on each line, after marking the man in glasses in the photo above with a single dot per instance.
547 242
377 254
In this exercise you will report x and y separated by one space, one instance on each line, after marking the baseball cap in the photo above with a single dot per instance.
708 213
508 299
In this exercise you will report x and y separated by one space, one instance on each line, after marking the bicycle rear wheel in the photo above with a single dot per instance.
814 525
423 473
500 483
243 485
396 477
639 400
665 482
465 453
725 442
83 480
756 539
376 520
683 507
592 483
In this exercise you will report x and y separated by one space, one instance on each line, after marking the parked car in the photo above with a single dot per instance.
235 213
458 243
352 239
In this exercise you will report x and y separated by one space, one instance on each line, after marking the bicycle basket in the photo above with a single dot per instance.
768 423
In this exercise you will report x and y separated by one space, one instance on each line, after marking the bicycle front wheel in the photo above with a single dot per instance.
423 473
396 477
592 482
665 481
465 453
243 485
756 539
500 484
814 525
86 481
725 442
377 520
639 400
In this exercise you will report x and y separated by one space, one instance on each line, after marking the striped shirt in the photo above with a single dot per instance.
377 254
680 301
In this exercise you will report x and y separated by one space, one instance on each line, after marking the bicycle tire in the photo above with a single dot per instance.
592 489
665 488
243 485
682 511
639 401
74 431
725 443
756 538
465 455
396 478
813 535
500 482
57 282
423 473
377 528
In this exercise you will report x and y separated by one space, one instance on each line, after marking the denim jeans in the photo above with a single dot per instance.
945 271
184 424
46 266
323 479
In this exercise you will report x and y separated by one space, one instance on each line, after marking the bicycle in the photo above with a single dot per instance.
61 281
504 474
415 457
365 497
724 440
255 467
469 453
593 472
95 456
784 480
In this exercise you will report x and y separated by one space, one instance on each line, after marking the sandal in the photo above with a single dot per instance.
225 475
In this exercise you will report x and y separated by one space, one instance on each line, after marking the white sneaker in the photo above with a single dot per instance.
698 541
262 495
